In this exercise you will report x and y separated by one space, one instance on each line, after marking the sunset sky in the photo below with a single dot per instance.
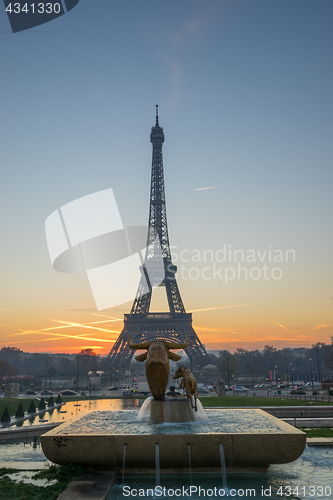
245 95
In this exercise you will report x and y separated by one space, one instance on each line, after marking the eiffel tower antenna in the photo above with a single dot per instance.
156 115
140 324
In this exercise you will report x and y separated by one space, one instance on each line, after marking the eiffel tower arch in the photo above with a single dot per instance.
140 324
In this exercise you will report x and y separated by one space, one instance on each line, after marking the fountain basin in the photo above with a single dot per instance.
251 438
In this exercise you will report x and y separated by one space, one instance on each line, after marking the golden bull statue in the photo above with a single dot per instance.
157 362
190 385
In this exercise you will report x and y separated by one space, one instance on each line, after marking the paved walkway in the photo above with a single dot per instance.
309 422
319 441
25 465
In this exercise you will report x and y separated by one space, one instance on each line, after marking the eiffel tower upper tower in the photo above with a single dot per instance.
140 324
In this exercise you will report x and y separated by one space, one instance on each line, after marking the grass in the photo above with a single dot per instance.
12 405
317 431
10 490
249 401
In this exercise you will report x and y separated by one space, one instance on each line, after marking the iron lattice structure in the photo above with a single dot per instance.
140 324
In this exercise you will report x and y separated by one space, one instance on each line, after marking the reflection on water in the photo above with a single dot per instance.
28 450
308 477
74 409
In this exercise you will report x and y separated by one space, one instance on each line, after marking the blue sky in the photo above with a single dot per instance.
245 95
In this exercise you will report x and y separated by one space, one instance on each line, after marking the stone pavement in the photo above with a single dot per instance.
89 487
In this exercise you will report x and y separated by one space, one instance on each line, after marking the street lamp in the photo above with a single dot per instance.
46 361
311 376
292 374
77 373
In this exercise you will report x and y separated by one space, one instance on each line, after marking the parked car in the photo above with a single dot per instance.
46 393
31 392
309 385
239 388
298 390
68 393
114 388
202 390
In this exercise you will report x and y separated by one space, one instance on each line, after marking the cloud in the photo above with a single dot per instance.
175 75
318 327
2 309
188 28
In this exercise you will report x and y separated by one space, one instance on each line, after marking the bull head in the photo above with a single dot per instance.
157 362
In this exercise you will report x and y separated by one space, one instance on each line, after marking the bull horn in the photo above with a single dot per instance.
173 345
144 345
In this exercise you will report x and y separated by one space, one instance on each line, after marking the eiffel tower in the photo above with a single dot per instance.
140 324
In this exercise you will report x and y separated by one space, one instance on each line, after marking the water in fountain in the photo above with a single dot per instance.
124 460
189 461
157 464
171 410
223 470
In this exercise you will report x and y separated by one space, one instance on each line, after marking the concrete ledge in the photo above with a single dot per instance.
255 449
24 432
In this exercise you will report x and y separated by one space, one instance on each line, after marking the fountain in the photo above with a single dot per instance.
168 435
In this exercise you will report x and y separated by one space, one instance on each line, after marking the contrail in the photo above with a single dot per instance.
104 316
217 330
60 335
202 189
282 326
223 307
79 325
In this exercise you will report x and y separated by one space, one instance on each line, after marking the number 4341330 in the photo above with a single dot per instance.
40 8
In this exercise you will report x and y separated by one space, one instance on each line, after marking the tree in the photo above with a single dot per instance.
52 372
328 356
87 352
269 349
227 365
12 355
88 360
6 369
